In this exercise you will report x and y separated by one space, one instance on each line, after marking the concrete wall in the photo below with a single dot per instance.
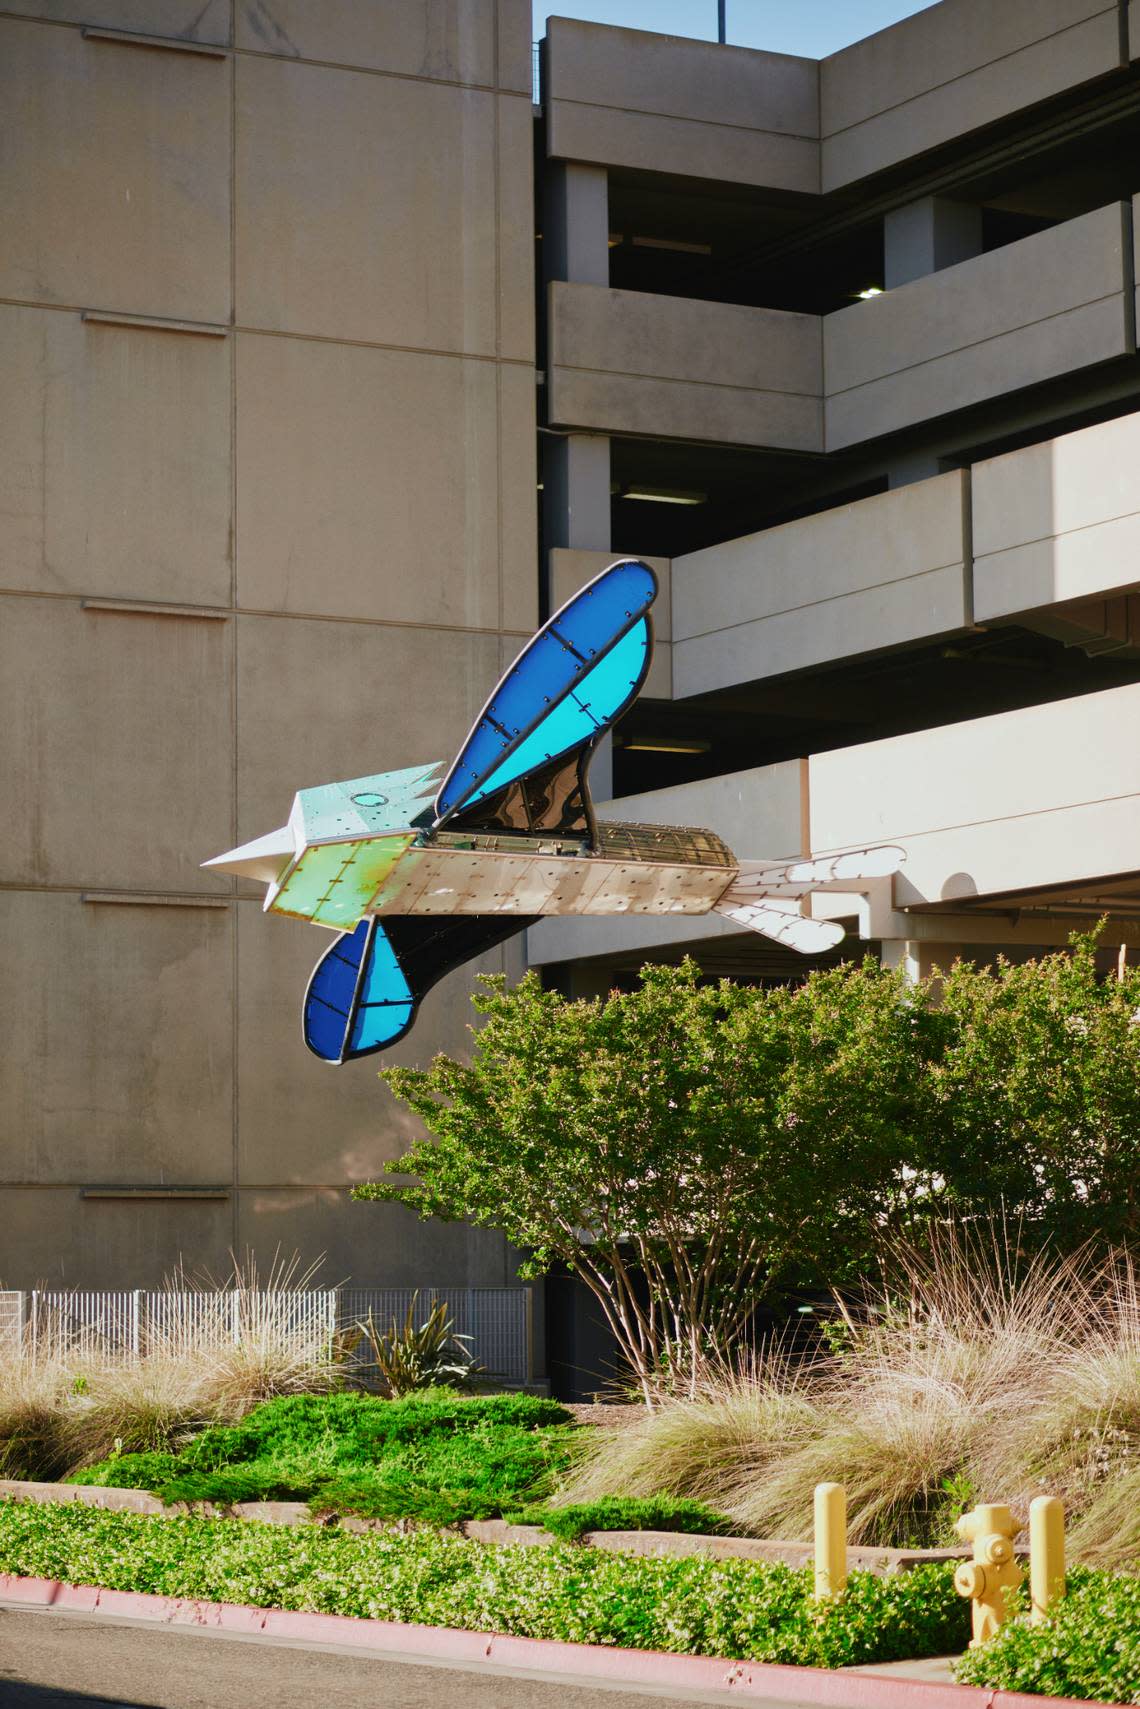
267 518
1056 802
951 69
668 104
874 574
1058 521
670 367
1052 303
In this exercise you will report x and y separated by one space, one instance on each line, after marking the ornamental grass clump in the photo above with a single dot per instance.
974 1377
70 1397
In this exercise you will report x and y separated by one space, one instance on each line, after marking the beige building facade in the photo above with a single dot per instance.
299 441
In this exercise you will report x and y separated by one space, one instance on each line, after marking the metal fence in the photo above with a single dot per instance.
497 1320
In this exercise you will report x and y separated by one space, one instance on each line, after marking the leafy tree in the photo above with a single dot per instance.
1035 1098
680 1147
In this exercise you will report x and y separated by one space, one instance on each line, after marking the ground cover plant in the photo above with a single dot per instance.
572 1521
737 1609
1089 1647
435 1456
977 1377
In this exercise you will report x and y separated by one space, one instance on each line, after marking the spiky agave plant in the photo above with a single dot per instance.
424 1355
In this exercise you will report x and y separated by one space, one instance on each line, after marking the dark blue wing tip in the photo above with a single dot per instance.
358 1000
551 667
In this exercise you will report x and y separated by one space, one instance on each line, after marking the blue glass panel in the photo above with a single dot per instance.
361 971
602 694
385 998
557 663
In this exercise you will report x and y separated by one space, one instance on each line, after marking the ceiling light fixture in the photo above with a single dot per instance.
665 745
677 244
665 495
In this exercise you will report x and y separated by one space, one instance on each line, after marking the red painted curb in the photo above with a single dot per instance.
758 1681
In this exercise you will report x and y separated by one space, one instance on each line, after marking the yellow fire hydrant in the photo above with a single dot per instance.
993 1574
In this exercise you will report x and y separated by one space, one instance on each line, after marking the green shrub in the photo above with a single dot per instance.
436 1456
625 1513
736 1609
128 1471
1088 1648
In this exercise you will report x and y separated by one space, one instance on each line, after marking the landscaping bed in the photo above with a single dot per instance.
741 1610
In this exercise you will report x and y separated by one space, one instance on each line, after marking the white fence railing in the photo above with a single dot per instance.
497 1320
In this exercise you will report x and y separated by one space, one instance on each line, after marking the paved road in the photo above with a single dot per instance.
63 1660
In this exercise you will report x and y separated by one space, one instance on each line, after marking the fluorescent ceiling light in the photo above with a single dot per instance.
665 745
665 495
681 247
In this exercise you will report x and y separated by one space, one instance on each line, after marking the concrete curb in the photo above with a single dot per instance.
758 1682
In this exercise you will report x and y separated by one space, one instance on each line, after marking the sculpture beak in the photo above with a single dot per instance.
265 858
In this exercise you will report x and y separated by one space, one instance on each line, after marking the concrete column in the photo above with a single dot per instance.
905 953
576 223
576 490
926 236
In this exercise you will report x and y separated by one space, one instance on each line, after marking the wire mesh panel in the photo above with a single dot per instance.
84 1322
11 1319
131 1322
495 1320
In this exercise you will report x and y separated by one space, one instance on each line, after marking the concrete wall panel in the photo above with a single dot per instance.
371 1245
114 459
803 564
450 41
1057 800
320 701
116 190
678 338
863 576
1058 521
118 1060
350 194
648 142
665 409
950 69
1025 313
915 609
367 483
625 361
54 1238
516 62
682 78
125 781
668 104
185 20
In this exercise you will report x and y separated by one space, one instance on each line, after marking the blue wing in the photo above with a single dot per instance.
566 687
358 999
365 990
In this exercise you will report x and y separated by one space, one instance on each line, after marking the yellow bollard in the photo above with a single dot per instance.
993 1573
1046 1555
830 1540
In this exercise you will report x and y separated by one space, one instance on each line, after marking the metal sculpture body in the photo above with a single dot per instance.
417 875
